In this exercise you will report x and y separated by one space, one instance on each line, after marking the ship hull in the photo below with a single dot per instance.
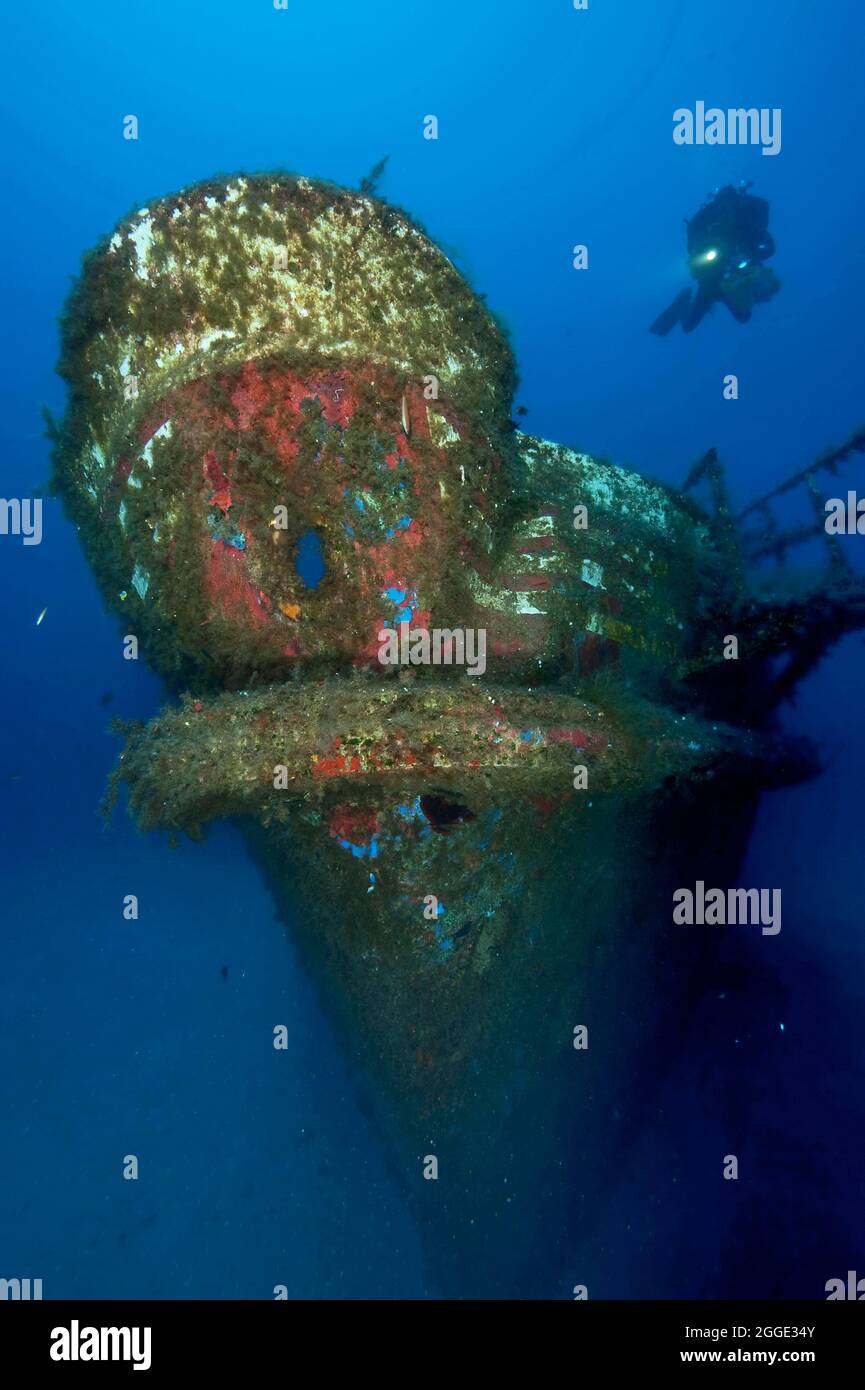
471 1060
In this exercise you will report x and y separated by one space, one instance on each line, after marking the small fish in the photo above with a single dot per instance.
224 972
404 416
41 616
106 698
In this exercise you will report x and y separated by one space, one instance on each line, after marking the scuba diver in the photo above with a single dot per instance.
728 243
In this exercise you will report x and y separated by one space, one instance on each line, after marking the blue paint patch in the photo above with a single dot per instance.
223 530
395 595
362 851
444 943
402 525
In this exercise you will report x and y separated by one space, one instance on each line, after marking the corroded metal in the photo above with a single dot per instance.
474 864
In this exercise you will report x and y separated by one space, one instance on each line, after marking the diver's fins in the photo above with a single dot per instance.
671 316
695 313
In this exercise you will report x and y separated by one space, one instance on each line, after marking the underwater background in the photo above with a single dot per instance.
261 1167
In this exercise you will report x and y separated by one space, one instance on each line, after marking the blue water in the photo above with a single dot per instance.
256 1166
310 563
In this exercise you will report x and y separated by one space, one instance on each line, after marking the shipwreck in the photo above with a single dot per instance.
479 867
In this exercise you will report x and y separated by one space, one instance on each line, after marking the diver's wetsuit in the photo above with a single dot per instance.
727 240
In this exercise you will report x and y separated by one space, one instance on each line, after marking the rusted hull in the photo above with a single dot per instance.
477 862
464 1049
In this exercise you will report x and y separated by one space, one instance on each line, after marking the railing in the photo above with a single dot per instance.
804 624
769 541
723 529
